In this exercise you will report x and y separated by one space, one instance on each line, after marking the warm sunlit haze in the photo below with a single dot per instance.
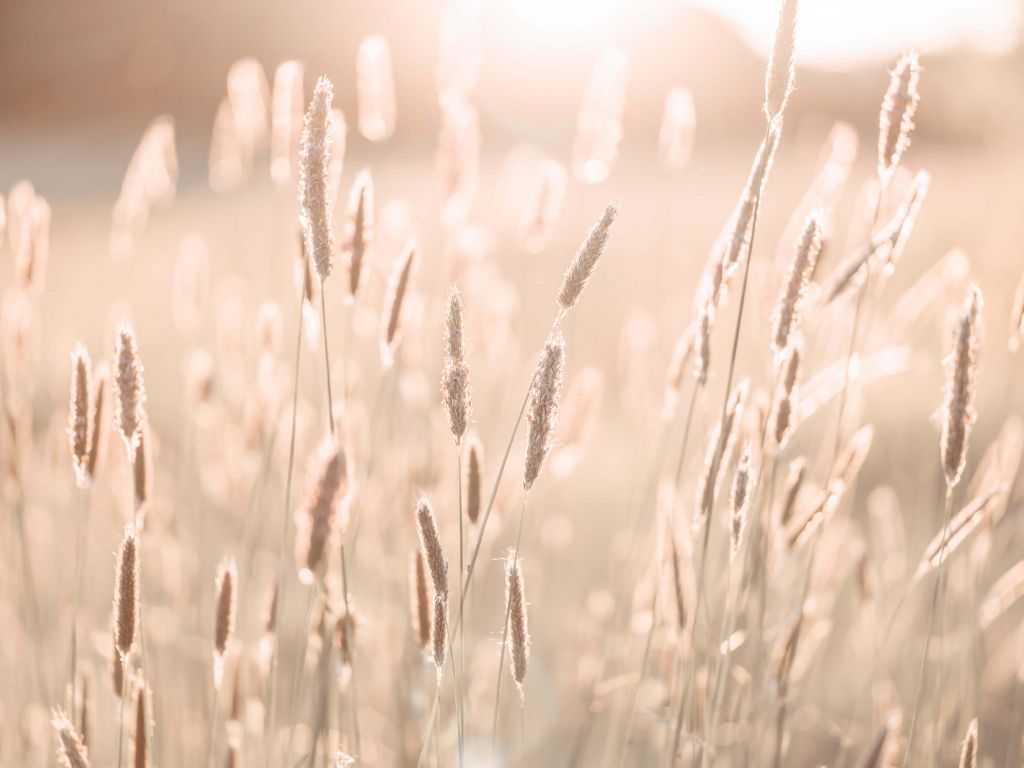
493 383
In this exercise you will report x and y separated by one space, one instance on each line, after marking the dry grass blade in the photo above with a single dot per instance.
1007 590
72 753
966 522
969 751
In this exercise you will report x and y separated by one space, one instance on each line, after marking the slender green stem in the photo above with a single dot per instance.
650 630
327 357
504 631
83 507
431 723
214 713
722 423
854 332
497 481
351 652
121 709
460 694
270 748
928 635
299 670
344 570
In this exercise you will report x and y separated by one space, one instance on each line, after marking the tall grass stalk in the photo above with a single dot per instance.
706 525
270 747
504 632
928 632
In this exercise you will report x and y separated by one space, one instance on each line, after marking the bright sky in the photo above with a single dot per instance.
843 30
831 31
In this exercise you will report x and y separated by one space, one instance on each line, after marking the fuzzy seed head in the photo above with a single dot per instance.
140 752
430 543
224 623
778 84
317 517
542 409
126 592
456 393
420 599
897 116
439 631
97 430
129 388
398 288
786 317
783 421
961 386
969 751
78 415
314 164
359 229
519 633
582 267
71 752
742 485
474 482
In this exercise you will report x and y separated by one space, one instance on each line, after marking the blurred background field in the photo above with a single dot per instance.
79 83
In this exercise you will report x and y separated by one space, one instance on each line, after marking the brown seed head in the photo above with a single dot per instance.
778 83
142 468
456 393
126 592
71 752
969 751
542 410
97 430
519 633
398 288
78 415
582 267
960 387
359 229
786 317
314 163
227 589
420 599
345 635
897 117
140 752
738 240
430 543
317 517
742 485
439 631
720 447
129 389
474 472
783 422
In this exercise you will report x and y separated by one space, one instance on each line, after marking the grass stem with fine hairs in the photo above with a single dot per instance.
504 631
269 748
928 632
